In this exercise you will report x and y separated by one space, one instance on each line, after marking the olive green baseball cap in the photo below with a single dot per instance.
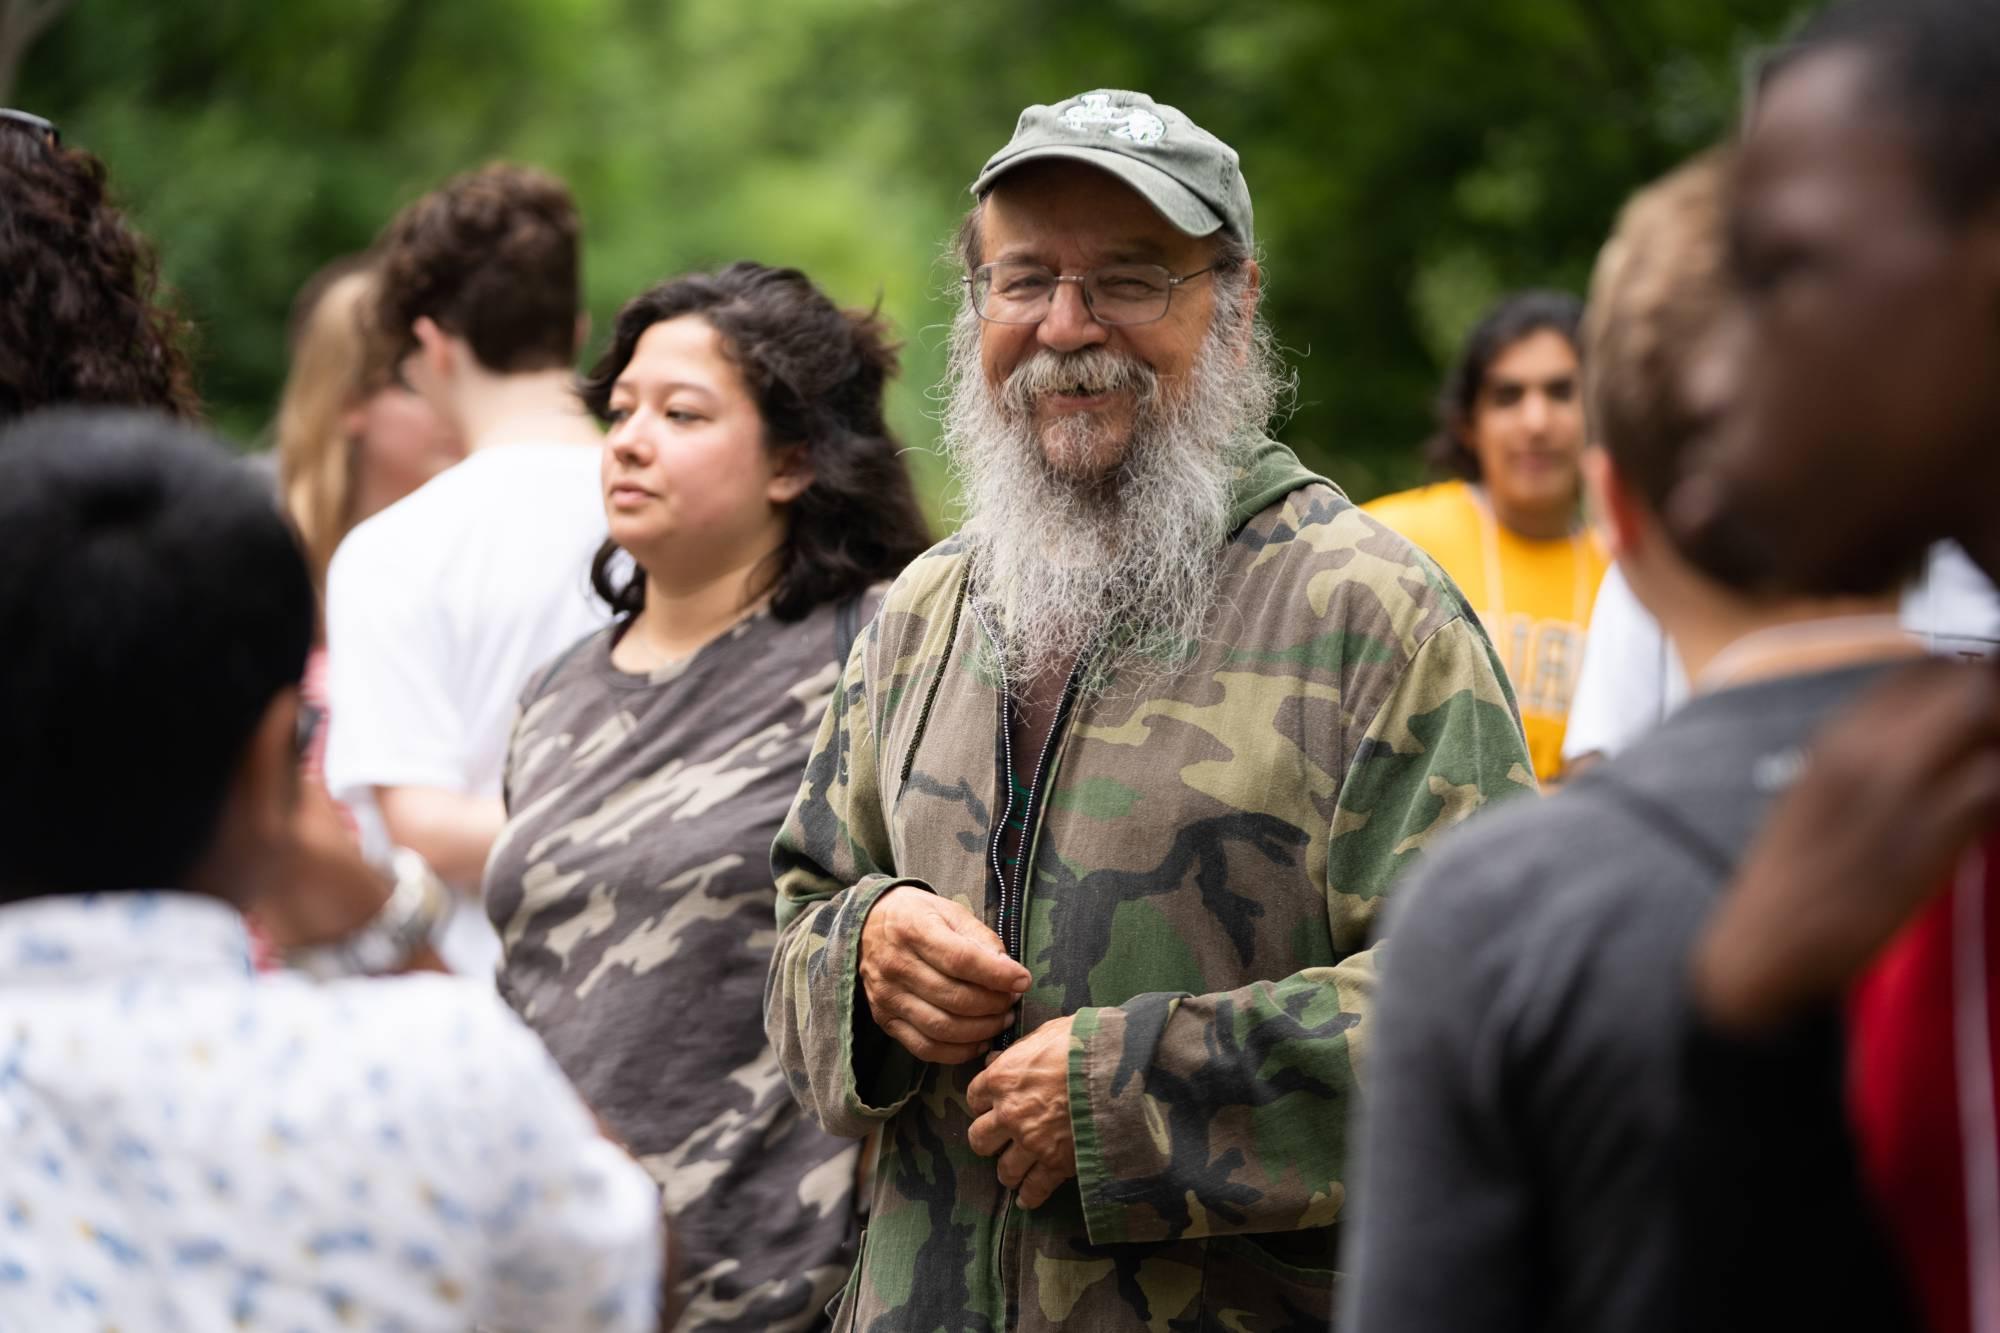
1189 175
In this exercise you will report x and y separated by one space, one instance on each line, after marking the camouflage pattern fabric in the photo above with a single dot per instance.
1216 844
632 893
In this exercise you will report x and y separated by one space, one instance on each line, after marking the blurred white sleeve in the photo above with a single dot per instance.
1954 608
1631 677
392 719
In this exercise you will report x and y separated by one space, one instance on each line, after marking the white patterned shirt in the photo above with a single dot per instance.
186 1145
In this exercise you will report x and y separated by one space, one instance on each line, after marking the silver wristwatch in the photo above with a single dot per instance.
416 909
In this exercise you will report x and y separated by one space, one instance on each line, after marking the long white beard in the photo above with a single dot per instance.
1063 559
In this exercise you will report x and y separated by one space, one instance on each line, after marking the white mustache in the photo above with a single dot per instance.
1091 370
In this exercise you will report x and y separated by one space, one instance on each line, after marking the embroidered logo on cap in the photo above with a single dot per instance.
1121 122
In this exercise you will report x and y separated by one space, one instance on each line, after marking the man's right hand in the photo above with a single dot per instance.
1895 790
937 980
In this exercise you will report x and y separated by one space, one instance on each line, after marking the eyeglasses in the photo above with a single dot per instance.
1019 293
34 124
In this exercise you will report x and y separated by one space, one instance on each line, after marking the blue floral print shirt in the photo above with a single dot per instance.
185 1144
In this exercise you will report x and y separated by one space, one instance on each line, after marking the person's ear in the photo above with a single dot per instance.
791 474
582 330
254 831
1253 288
354 423
439 355
270 770
1619 514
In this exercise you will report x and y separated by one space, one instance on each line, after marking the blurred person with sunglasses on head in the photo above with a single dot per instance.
84 319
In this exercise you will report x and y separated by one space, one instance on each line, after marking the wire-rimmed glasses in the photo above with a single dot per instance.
1017 292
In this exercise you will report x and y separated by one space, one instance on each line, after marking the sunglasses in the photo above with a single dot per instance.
27 120
311 718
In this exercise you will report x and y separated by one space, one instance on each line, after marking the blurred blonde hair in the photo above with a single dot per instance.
330 375
1660 292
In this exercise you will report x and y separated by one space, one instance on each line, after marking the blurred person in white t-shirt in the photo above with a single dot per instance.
1632 676
441 607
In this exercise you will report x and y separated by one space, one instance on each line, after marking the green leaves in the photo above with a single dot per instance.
1408 161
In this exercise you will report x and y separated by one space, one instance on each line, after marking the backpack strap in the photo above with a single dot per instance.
1672 825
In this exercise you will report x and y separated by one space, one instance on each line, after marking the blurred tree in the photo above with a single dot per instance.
1409 161
21 22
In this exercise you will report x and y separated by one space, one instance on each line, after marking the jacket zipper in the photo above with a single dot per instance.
1016 946
1013 892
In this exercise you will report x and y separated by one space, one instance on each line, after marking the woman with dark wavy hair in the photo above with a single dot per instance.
83 320
757 504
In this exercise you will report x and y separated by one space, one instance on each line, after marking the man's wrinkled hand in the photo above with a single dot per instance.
936 979
1021 1100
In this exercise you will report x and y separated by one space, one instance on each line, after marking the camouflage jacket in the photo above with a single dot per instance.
1206 855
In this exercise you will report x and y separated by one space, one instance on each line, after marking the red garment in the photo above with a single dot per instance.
1923 1085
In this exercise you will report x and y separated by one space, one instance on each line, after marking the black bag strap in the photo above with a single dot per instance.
1663 819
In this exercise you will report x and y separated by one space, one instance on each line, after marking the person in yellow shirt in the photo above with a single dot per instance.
1509 528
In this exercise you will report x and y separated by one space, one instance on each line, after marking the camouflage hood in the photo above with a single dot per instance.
1205 853
1269 473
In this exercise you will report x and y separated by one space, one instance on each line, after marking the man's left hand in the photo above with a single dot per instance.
1022 1101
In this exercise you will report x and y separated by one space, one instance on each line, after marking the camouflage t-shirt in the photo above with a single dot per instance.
633 896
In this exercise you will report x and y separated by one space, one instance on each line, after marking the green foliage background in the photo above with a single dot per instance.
1409 159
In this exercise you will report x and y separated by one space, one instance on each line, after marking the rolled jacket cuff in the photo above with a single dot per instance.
881 1074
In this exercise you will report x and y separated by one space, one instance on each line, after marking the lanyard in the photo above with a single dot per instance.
1496 579
1848 638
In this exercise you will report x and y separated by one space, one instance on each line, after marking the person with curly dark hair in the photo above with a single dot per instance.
492 261
757 504
85 319
441 607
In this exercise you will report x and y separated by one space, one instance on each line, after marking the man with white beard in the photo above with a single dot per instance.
1075 900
